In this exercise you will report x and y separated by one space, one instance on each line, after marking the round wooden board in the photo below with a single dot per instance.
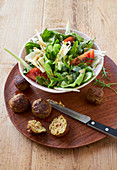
79 133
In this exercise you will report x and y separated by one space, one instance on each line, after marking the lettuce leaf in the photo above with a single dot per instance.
77 37
48 36
52 51
48 70
78 80
74 48
51 36
42 81
30 45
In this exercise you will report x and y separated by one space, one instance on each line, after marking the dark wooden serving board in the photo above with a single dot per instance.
79 133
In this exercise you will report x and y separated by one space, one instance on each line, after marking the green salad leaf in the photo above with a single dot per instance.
74 49
49 70
58 55
52 51
77 37
48 36
30 45
53 36
78 80
43 81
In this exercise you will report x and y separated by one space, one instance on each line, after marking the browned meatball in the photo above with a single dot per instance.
95 95
21 83
41 108
19 103
59 126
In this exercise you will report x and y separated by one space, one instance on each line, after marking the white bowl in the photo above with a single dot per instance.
61 30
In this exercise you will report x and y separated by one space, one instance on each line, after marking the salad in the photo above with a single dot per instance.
60 61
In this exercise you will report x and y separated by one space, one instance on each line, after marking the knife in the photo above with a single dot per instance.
85 119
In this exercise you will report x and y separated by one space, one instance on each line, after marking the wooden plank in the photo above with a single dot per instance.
88 17
18 21
95 18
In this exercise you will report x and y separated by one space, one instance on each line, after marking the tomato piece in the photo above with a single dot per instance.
69 39
91 56
75 61
34 72
87 57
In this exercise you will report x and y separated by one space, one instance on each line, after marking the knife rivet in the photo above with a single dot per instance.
93 123
106 129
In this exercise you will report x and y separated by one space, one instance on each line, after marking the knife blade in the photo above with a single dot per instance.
85 119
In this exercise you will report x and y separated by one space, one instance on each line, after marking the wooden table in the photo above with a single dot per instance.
18 20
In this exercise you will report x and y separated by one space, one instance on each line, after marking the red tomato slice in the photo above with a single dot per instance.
91 56
34 72
87 57
69 39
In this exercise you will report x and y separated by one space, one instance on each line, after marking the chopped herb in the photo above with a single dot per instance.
25 71
104 73
42 81
102 84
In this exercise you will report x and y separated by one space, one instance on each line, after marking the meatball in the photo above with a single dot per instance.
95 95
21 83
41 108
35 127
59 126
19 103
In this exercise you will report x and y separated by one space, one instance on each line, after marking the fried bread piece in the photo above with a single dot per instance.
59 126
34 126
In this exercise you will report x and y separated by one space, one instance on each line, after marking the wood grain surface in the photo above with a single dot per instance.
79 133
18 19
